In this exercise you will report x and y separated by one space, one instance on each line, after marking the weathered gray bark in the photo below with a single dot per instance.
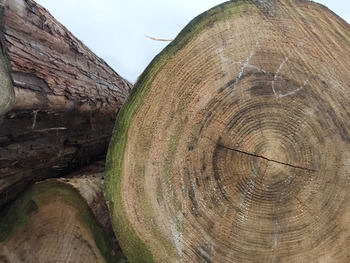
58 99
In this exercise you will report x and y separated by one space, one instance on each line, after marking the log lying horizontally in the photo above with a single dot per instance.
51 222
235 145
59 100
89 183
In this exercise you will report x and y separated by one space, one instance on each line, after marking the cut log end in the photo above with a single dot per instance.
52 222
235 145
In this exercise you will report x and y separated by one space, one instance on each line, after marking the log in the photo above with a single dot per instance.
58 99
234 145
89 183
51 222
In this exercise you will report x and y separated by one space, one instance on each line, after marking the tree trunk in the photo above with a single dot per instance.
59 100
89 183
235 145
51 222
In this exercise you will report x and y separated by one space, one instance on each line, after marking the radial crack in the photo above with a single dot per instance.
267 159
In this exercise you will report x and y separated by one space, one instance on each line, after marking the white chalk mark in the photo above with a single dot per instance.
278 71
243 66
284 62
275 241
257 68
292 92
177 236
246 64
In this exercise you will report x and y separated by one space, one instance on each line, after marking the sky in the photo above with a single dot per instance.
116 30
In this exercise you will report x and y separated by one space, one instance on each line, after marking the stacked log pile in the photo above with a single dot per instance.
232 147
58 105
64 99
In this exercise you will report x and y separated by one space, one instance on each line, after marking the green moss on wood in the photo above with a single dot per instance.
16 216
6 86
132 244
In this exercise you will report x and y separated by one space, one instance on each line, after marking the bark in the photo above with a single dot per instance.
235 145
51 222
58 99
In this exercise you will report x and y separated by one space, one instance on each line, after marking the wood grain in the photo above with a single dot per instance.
51 222
58 100
234 146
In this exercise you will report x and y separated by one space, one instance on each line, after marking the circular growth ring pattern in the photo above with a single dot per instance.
234 146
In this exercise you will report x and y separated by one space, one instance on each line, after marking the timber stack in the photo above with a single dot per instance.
233 146
59 100
58 105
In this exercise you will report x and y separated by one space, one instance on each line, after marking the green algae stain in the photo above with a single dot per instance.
16 216
6 86
133 246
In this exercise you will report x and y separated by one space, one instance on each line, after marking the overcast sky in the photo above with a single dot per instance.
115 29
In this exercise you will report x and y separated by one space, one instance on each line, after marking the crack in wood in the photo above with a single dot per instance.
267 159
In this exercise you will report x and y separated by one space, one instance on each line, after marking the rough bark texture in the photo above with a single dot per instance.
63 99
51 222
235 145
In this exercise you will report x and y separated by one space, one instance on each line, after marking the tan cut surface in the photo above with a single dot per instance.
237 148
64 244
51 222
